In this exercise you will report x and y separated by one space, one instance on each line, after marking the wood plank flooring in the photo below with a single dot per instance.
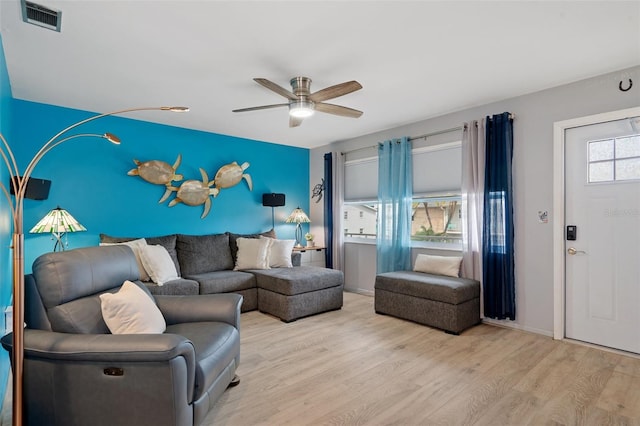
354 367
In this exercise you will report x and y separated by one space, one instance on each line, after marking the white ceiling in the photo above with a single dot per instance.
415 59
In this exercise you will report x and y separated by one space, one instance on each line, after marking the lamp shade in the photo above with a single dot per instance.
298 216
57 221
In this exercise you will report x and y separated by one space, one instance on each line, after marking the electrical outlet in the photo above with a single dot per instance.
8 319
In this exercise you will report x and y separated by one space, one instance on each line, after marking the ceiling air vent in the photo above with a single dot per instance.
42 16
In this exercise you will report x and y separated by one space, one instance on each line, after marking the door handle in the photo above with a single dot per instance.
572 251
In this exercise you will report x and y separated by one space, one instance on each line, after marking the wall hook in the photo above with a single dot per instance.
627 89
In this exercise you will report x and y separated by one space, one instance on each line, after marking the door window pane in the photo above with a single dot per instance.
628 147
628 169
601 150
613 160
601 172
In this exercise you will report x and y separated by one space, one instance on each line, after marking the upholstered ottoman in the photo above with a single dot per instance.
449 303
293 293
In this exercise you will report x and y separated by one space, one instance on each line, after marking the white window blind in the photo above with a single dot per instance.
437 169
361 179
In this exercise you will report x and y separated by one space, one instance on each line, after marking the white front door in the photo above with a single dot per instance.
602 202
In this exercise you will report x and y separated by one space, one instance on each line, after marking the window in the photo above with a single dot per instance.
436 220
362 222
436 216
614 159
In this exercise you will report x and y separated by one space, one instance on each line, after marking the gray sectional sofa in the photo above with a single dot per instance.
205 265
76 372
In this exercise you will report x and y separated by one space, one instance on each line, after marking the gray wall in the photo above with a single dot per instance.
533 182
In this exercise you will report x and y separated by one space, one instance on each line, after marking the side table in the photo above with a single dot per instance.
311 256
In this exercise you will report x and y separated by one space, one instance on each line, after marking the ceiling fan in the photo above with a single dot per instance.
302 103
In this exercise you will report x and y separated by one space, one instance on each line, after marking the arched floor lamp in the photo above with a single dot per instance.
19 186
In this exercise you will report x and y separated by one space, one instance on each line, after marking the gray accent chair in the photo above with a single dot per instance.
77 373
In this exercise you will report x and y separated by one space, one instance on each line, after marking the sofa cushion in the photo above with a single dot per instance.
216 345
157 262
233 237
62 277
203 253
136 246
280 253
131 310
166 241
80 316
253 253
179 287
224 281
69 284
429 286
438 265
301 279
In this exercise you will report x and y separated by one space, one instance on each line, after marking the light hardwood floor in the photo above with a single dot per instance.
354 367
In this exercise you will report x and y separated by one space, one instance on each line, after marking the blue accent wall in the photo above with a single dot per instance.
5 217
89 178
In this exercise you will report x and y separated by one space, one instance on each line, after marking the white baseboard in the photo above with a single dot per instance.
516 326
498 323
364 292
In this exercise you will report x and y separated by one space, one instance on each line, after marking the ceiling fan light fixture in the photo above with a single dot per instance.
301 109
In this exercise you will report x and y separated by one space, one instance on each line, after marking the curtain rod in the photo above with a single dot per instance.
426 135
440 132
511 117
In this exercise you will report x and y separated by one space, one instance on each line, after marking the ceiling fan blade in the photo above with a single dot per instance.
335 91
259 107
338 110
295 121
274 87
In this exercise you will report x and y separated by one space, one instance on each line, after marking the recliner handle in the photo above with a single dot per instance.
114 371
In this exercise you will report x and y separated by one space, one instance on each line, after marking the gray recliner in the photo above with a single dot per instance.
77 373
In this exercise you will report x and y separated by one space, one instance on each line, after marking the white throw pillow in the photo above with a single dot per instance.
131 311
158 263
439 265
136 246
252 253
280 252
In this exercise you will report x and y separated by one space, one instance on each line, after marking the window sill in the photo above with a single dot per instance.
437 246
365 241
415 245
